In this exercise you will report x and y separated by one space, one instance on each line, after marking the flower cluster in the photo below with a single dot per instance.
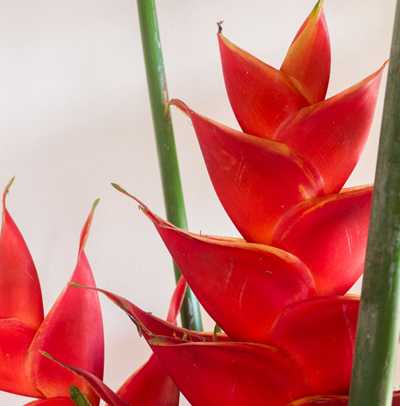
71 332
278 293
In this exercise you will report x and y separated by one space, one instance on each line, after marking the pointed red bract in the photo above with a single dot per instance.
20 294
176 300
309 57
237 374
320 335
73 331
332 134
261 96
244 287
329 234
256 180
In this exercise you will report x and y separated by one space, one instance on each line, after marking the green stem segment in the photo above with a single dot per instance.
168 161
379 316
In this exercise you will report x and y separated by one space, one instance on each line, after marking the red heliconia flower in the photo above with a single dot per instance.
277 292
72 330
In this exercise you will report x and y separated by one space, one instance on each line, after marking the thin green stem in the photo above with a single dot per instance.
167 157
378 321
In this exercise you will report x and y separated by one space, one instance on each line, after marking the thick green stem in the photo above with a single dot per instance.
378 321
168 161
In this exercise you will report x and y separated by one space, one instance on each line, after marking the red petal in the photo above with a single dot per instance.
320 334
329 234
177 300
261 96
52 402
20 294
243 287
15 339
332 134
256 180
237 374
150 386
102 390
309 57
73 331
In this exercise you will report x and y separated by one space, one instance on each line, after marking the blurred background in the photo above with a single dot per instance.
75 116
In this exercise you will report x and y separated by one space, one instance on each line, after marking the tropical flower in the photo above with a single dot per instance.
278 292
66 331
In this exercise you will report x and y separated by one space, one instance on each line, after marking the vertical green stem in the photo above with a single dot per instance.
378 322
168 161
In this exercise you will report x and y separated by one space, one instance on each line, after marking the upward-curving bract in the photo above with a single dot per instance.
73 331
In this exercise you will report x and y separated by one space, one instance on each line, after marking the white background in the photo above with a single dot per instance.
75 117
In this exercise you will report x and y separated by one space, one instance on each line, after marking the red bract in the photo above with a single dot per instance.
320 335
329 234
72 330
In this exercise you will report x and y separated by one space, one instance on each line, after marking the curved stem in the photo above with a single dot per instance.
378 321
168 161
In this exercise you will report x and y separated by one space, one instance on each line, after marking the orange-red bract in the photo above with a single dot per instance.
329 234
21 308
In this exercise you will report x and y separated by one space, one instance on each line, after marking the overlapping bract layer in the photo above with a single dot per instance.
239 372
295 145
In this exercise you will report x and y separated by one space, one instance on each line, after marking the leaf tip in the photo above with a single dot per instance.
7 189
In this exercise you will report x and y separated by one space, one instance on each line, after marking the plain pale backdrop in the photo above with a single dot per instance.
75 117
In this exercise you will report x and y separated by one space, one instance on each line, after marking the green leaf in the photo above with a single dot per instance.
78 397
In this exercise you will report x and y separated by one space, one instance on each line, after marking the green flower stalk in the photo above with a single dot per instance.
378 325
172 188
